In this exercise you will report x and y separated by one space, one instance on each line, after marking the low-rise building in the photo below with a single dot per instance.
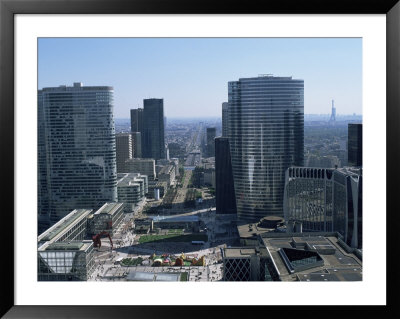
66 261
63 252
167 174
107 218
131 189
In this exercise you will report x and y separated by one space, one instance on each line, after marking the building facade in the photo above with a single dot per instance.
325 200
63 252
153 142
144 166
225 122
266 136
137 120
211 133
132 189
107 218
224 188
76 149
354 145
123 144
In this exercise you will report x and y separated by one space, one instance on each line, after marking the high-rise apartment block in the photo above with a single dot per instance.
76 150
266 136
225 122
123 150
153 142
211 133
224 189
354 145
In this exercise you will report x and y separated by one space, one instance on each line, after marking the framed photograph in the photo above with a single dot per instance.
45 44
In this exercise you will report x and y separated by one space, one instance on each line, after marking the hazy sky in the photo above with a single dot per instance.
191 74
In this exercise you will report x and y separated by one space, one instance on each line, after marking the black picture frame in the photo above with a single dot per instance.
8 8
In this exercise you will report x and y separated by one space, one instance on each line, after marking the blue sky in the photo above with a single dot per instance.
191 74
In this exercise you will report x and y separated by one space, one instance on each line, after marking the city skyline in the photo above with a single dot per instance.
181 70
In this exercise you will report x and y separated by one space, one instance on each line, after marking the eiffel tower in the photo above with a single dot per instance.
333 114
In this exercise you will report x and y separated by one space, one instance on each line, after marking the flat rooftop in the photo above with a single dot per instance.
109 208
58 229
338 265
66 246
247 231
240 252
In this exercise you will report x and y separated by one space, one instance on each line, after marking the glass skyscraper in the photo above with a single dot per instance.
76 150
153 141
266 136
225 119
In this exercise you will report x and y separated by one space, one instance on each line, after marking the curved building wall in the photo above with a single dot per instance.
77 164
266 136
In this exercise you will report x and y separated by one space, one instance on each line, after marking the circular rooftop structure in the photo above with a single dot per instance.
271 222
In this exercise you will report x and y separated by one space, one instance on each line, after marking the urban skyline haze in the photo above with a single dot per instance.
181 70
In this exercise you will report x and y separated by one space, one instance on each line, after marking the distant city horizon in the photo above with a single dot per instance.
192 74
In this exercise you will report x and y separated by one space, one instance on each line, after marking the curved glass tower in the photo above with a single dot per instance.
76 150
266 136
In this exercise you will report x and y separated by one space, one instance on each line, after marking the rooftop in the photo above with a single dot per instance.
336 264
240 252
109 208
58 229
66 246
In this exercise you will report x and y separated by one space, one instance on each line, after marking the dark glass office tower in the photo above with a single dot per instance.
136 120
136 145
354 145
225 119
224 189
76 149
266 136
153 143
211 133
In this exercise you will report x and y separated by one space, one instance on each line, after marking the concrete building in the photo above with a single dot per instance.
225 123
76 150
167 174
354 145
107 218
266 136
325 200
211 133
123 150
143 166
153 142
224 188
132 189
161 186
